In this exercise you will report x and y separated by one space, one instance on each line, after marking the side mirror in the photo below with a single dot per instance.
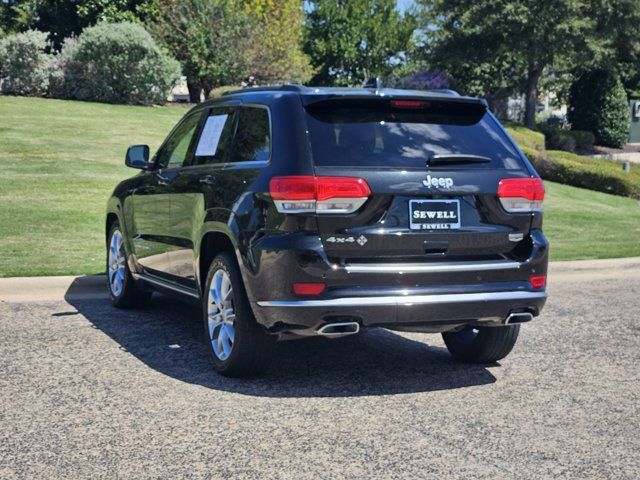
137 157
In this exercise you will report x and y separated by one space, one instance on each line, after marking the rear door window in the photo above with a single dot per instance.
253 135
379 134
215 137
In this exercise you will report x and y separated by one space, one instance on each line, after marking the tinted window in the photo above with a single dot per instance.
217 131
382 135
252 142
175 151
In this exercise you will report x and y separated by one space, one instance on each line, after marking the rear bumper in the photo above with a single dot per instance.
429 293
491 308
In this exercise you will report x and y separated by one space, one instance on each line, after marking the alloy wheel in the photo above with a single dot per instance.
116 264
221 314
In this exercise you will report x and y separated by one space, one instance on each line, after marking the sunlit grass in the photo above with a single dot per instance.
60 160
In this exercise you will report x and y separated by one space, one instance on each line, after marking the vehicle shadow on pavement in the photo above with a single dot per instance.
167 336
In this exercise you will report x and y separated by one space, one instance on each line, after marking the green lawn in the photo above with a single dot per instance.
59 161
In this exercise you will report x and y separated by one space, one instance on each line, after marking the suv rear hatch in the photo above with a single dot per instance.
433 167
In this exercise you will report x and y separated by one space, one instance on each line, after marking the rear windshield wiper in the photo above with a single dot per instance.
456 158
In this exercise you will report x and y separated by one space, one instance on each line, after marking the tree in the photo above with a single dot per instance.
598 104
211 39
63 19
277 45
505 45
350 41
616 45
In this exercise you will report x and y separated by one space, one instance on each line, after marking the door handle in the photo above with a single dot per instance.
162 180
208 180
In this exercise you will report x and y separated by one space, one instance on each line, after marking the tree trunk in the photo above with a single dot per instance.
195 90
207 84
531 96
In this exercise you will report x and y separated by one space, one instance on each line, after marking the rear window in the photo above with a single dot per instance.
379 134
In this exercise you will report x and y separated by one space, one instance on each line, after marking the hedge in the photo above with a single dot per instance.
584 172
24 63
525 137
115 63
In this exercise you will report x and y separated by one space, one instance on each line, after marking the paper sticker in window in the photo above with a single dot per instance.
210 137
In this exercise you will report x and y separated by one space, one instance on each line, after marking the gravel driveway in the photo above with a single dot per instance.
89 391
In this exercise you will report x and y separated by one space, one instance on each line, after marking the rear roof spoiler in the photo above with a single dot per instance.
312 99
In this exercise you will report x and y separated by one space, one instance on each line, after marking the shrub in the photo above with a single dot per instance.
114 63
584 172
584 140
598 104
24 64
557 139
525 137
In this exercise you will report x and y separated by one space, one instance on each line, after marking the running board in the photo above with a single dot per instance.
167 285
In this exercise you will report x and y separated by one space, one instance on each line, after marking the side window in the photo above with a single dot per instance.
253 136
176 149
215 137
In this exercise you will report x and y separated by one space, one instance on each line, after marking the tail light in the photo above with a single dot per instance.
538 281
308 288
519 195
308 194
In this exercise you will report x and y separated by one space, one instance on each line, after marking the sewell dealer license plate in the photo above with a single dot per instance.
434 214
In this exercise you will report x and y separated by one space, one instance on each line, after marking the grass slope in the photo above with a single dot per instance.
60 160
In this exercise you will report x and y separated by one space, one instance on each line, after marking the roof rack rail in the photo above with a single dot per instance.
288 87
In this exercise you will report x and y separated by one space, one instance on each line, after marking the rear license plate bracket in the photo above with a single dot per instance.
434 214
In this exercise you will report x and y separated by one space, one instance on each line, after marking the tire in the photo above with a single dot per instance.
481 344
237 345
123 290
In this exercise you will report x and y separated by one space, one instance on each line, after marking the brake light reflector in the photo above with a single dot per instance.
538 281
407 103
308 288
308 194
519 195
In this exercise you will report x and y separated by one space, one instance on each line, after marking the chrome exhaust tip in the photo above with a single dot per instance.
335 330
520 317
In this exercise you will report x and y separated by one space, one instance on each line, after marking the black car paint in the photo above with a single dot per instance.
167 214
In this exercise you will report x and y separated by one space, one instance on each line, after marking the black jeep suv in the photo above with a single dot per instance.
294 211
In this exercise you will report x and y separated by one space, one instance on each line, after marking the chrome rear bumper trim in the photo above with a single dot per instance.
406 300
431 267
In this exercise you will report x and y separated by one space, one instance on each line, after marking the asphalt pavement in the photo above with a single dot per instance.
87 391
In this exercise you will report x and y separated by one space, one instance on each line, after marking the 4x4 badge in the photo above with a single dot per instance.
361 240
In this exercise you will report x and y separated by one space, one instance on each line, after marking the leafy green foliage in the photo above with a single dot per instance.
277 42
63 19
350 41
584 172
615 42
525 137
212 39
500 47
24 65
598 103
115 63
584 140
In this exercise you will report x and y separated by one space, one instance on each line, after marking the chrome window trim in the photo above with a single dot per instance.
406 300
